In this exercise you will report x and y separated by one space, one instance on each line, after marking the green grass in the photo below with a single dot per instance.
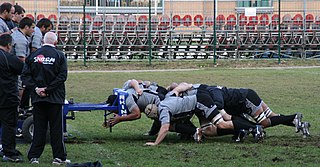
286 91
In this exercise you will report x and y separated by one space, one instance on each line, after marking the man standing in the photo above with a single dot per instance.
6 14
43 26
21 38
45 72
21 49
10 68
16 18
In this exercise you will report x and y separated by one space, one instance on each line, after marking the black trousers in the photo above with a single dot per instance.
8 120
24 102
44 112
205 104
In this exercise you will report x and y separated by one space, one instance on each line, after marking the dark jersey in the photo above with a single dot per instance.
229 99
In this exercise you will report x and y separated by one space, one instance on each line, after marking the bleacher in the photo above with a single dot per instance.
187 36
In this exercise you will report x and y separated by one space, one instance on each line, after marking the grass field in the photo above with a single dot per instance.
286 91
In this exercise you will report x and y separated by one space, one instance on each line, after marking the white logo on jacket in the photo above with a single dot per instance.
44 60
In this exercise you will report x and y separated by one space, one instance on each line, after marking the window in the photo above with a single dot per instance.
254 3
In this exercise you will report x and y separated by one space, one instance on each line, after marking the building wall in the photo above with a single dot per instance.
172 7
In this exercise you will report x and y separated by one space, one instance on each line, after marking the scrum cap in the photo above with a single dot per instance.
151 111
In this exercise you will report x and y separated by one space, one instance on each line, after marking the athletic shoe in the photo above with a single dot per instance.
297 122
198 136
13 158
34 160
305 129
58 161
241 135
258 133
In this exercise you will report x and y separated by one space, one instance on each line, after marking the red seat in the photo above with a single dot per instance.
53 18
264 19
131 23
243 20
209 21
176 20
30 16
165 20
198 20
142 20
154 23
274 21
187 20
298 19
221 20
309 18
40 16
263 22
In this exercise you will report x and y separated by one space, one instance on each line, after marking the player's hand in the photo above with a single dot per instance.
114 120
139 92
107 124
150 144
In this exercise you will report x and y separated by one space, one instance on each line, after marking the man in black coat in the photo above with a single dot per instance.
45 73
10 68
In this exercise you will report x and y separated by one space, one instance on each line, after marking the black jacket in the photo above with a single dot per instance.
46 67
10 68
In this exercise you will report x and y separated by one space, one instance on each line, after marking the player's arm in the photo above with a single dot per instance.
135 85
162 134
133 115
181 88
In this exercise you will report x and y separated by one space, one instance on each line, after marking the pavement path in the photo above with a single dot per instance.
169 70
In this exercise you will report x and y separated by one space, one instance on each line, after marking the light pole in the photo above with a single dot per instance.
279 33
214 33
84 33
149 33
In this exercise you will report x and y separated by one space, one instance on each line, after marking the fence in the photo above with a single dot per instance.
183 28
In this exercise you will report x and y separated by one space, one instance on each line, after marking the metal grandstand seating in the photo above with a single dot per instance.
163 36
263 23
176 21
130 36
117 42
74 36
220 22
209 21
63 33
96 46
183 38
53 18
141 42
231 22
191 36
108 35
297 22
274 22
310 36
198 20
85 35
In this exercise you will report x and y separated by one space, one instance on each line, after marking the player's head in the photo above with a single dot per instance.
111 99
151 111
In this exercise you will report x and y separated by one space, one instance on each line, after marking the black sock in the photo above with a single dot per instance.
222 132
282 119
241 123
